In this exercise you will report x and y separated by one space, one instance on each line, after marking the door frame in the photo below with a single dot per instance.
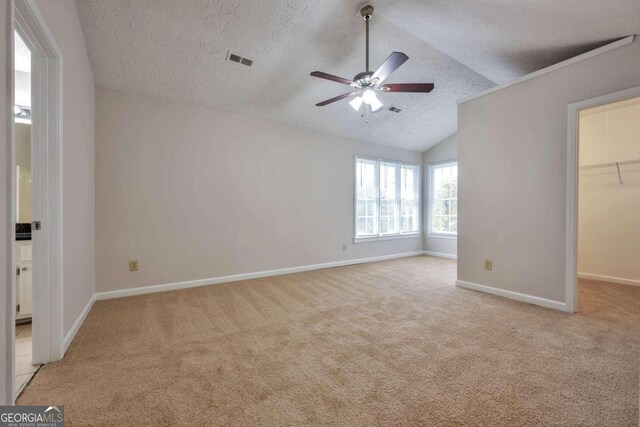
46 126
571 273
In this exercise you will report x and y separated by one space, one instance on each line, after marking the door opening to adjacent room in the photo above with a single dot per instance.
25 367
33 311
606 196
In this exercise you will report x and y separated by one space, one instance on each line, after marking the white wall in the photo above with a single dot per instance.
194 193
443 151
609 212
61 16
512 174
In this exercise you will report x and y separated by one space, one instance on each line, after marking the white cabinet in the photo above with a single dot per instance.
24 294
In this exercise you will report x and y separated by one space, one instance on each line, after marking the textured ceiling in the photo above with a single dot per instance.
504 40
177 50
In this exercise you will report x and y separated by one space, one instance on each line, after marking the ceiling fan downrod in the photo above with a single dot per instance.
366 13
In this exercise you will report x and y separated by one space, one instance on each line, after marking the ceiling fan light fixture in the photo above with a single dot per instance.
376 105
369 96
356 103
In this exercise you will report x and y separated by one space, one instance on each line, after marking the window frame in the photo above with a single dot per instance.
431 168
418 190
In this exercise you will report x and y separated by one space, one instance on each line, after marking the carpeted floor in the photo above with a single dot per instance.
389 343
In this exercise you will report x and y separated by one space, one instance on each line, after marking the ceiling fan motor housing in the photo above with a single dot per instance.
364 79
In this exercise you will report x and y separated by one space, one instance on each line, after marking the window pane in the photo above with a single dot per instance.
409 198
366 197
388 198
444 198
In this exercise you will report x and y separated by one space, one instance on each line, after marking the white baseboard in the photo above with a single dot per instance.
611 279
246 276
441 255
557 305
76 325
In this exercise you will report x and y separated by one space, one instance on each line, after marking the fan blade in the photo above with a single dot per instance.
333 78
392 63
408 87
337 98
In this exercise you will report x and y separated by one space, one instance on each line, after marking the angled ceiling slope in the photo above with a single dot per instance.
178 49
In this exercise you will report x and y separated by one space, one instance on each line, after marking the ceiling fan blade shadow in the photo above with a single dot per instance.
392 63
333 78
408 87
337 98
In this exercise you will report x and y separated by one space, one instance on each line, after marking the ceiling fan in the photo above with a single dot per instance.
366 84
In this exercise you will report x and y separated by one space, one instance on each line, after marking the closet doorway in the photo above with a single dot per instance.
607 201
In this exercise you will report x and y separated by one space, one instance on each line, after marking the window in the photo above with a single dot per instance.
387 198
443 192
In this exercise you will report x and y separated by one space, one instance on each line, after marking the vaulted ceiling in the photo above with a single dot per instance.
178 49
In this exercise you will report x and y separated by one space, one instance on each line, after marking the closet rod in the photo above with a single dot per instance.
610 164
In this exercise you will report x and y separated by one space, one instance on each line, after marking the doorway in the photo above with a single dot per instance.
41 111
603 195
25 367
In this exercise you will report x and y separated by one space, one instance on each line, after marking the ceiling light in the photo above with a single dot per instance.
369 96
356 103
376 105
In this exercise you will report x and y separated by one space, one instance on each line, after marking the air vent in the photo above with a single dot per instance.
395 109
239 59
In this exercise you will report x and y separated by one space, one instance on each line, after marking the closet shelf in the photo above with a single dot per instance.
612 164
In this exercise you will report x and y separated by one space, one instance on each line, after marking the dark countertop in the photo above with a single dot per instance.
23 231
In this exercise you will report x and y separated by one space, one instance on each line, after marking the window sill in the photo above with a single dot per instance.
388 237
442 236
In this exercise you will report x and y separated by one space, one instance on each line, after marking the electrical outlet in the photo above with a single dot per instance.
344 246
488 264
133 265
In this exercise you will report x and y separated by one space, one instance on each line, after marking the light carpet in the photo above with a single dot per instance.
387 343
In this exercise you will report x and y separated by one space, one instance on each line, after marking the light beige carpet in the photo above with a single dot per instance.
389 343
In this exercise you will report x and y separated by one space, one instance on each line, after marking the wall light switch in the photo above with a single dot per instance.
344 246
133 265
488 264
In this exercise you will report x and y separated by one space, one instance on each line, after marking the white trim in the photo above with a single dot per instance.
450 236
441 255
610 279
8 282
386 237
78 323
543 302
245 276
603 49
48 335
571 221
